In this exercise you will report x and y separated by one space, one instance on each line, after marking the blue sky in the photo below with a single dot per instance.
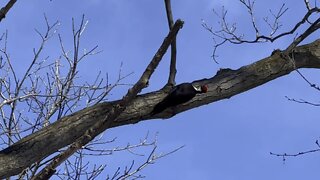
230 139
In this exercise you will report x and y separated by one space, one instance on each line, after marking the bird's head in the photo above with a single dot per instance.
201 89
204 88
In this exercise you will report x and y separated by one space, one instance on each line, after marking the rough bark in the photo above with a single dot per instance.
224 84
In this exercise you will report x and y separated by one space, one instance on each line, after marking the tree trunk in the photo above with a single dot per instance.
224 84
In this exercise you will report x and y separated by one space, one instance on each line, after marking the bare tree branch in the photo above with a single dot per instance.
301 101
275 25
150 160
307 4
314 27
173 70
315 86
5 9
250 6
286 155
227 33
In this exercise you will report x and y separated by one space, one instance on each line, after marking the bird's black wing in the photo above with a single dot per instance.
177 95
161 106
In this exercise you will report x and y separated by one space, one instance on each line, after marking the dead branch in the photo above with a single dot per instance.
312 85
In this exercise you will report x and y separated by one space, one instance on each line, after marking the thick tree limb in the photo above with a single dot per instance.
225 84
6 8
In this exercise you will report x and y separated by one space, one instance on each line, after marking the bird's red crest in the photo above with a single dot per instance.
204 88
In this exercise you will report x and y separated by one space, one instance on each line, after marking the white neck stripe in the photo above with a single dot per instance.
197 88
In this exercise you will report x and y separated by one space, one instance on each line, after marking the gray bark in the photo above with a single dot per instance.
225 84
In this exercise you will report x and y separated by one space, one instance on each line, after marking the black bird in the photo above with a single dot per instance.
179 94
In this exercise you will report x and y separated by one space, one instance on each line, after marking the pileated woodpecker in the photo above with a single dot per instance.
179 94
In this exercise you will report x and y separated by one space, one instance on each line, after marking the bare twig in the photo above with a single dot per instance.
302 101
76 168
306 2
250 6
275 25
315 86
93 150
285 155
128 172
313 27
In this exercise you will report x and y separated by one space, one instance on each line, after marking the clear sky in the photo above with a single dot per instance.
230 139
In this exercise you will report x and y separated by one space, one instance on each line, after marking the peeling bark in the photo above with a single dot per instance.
225 84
